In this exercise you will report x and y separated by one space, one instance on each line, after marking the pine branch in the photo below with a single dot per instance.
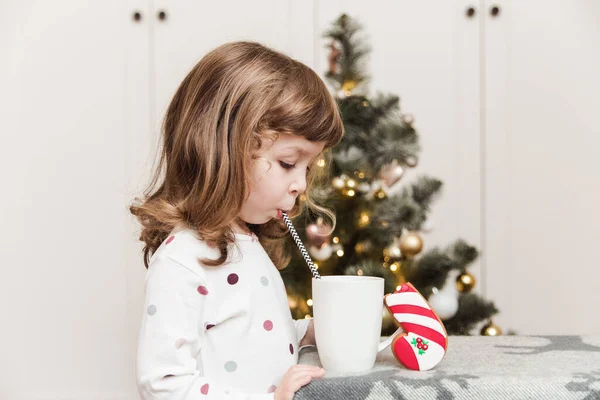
472 310
354 50
424 191
462 253
431 270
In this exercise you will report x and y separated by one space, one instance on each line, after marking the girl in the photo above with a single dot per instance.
241 138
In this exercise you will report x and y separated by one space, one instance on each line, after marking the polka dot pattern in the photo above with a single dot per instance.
169 240
202 290
268 325
204 389
291 348
152 309
179 342
232 279
230 366
271 389
264 281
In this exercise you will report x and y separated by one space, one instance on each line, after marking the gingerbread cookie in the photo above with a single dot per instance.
424 341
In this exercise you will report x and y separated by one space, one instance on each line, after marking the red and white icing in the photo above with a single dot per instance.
424 341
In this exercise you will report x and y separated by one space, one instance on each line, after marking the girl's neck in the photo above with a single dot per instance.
241 227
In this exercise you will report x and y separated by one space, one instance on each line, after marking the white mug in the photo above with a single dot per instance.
348 311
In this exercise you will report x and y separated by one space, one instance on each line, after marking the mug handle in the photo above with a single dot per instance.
387 342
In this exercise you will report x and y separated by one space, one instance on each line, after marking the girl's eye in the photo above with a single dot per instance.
289 166
286 165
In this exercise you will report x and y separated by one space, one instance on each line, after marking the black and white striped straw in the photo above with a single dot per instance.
312 267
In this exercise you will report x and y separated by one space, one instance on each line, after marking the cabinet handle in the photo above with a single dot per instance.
495 11
162 15
137 16
470 12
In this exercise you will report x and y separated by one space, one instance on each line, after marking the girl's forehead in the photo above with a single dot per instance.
297 144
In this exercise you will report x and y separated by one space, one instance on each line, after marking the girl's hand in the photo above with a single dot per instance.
309 337
297 376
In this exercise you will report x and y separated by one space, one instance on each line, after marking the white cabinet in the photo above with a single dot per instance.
541 139
504 99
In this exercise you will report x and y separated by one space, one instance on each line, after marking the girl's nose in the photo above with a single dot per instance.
298 185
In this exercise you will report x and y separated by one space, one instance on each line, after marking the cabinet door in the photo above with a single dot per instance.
541 143
186 30
428 54
63 163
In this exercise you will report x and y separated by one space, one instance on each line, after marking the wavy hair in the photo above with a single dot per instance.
236 94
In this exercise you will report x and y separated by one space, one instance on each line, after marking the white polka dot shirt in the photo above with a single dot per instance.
214 332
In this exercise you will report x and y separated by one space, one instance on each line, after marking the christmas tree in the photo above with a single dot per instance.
379 217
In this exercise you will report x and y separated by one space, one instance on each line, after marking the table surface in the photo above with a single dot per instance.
475 367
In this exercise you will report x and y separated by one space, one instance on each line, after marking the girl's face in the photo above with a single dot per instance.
275 187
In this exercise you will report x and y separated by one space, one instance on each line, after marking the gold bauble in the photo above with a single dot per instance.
348 87
411 244
491 329
465 282
364 219
292 302
360 248
338 182
379 194
392 252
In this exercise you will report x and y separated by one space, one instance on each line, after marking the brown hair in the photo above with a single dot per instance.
236 94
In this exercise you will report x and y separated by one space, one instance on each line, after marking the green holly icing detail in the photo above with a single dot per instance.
419 345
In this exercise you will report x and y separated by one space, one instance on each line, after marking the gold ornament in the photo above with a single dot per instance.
465 282
411 244
379 194
348 87
363 219
350 183
363 247
490 329
292 302
392 252
338 182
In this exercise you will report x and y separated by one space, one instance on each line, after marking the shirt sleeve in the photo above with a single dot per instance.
171 336
301 326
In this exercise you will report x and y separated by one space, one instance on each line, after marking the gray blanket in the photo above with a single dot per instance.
475 367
